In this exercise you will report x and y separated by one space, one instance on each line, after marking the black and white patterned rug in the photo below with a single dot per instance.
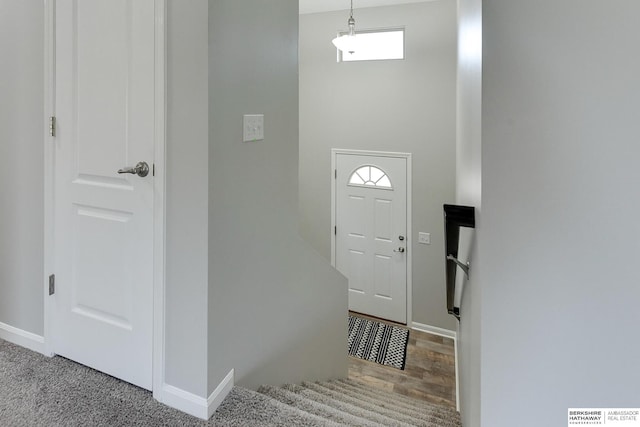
378 342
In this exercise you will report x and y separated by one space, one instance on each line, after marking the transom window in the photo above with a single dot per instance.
370 176
372 45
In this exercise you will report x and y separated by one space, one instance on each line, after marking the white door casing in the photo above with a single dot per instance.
371 242
101 244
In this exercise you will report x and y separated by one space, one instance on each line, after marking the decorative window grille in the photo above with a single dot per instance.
370 176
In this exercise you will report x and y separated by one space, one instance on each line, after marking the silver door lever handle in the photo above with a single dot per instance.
141 169
400 250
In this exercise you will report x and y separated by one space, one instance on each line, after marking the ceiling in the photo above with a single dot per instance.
314 6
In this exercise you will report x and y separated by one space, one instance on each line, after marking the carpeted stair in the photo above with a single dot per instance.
332 403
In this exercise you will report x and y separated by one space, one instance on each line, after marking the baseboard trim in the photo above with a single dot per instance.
184 401
434 330
195 405
218 395
455 348
22 338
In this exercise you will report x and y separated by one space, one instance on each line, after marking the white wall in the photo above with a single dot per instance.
187 199
277 310
406 106
468 192
560 229
21 164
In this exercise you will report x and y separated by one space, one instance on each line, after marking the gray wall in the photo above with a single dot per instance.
468 192
21 164
406 106
277 310
187 180
560 229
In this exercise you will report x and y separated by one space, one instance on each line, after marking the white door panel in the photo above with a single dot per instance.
103 221
371 221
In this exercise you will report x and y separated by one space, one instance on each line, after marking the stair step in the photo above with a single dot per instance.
402 400
394 398
345 406
314 407
373 405
385 397
424 413
247 408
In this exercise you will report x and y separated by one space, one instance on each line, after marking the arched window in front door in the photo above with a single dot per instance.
370 176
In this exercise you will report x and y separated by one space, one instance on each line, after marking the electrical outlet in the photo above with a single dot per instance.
252 127
424 238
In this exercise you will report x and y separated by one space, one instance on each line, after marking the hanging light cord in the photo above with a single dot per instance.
352 22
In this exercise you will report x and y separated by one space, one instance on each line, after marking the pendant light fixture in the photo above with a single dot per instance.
347 42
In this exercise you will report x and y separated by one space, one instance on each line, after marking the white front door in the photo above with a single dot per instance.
103 221
371 239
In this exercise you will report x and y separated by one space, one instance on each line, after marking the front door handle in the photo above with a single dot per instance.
141 169
400 250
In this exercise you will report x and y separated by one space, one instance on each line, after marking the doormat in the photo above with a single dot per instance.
378 342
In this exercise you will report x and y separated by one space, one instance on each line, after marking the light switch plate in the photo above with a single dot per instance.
424 238
252 127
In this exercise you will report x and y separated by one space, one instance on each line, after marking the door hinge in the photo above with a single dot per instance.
154 170
52 125
335 173
52 284
335 230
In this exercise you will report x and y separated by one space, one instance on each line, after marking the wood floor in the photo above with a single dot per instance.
429 373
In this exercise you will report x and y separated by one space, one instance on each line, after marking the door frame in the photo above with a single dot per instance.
160 107
409 252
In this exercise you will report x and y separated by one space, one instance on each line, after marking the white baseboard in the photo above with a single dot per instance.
22 338
434 330
195 405
455 348
218 395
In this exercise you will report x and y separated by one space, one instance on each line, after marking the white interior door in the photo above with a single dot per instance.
371 233
103 221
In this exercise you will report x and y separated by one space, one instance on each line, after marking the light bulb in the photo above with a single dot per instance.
347 42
